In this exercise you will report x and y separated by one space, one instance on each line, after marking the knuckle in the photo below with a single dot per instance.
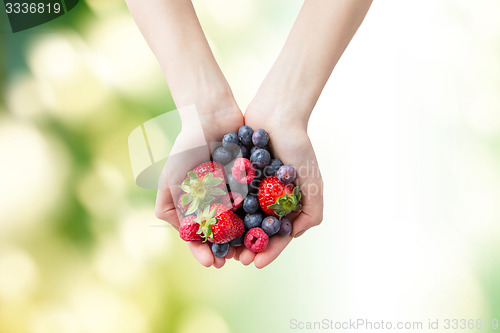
317 219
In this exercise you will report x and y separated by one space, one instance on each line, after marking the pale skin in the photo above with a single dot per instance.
282 105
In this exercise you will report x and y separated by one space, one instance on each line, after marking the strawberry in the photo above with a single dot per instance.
203 184
215 168
218 224
182 208
277 199
189 228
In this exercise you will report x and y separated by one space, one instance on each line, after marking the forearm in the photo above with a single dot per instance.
318 38
173 32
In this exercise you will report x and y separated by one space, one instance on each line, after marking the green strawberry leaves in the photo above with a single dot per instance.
286 204
206 218
200 193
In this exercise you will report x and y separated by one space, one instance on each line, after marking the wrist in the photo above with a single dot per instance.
284 107
205 87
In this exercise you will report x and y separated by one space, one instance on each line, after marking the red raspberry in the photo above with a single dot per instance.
188 229
256 240
232 200
236 200
243 170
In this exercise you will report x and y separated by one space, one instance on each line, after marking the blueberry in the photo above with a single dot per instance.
251 204
230 141
254 148
259 174
260 138
260 158
234 186
238 241
253 187
230 180
273 167
271 225
286 174
220 250
242 151
252 220
285 227
245 135
222 156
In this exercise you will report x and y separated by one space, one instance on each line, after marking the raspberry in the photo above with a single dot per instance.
243 171
256 240
232 200
236 200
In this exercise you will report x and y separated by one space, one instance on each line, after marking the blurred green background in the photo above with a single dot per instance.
407 134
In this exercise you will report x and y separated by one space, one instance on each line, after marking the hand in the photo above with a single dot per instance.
290 143
201 126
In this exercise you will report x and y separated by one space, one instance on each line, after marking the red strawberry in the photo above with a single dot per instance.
189 228
215 168
204 183
278 199
219 224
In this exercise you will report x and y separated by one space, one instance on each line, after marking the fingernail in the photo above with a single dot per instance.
299 234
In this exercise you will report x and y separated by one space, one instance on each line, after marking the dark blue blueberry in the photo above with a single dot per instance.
273 167
260 138
230 141
254 148
285 227
238 241
252 220
286 174
259 174
270 225
245 135
230 180
260 158
251 204
234 186
253 187
220 250
222 156
242 151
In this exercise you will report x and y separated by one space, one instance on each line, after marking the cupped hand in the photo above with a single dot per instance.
290 143
202 126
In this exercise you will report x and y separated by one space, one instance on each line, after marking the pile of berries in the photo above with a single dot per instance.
239 198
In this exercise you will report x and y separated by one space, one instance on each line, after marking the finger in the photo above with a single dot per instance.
246 257
238 252
202 253
165 205
219 262
304 221
272 251
230 254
